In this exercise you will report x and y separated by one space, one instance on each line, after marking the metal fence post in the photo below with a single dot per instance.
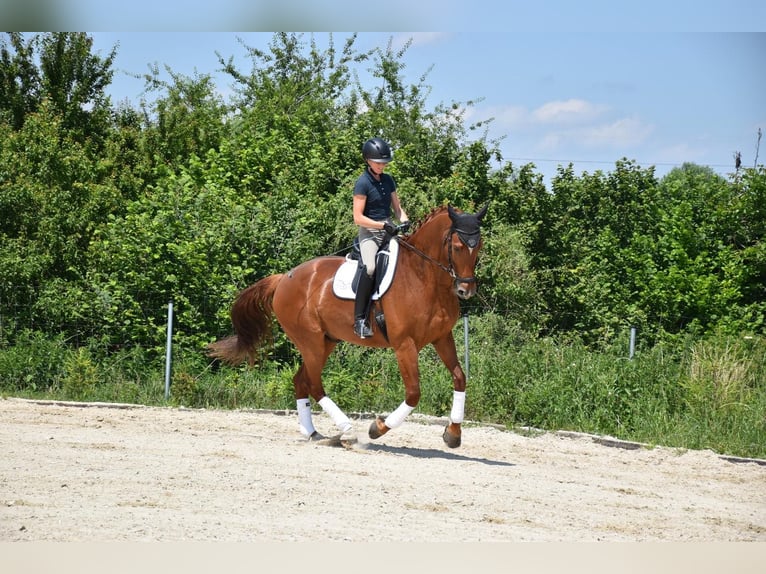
632 342
168 349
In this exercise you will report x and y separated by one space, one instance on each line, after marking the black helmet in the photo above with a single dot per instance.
377 150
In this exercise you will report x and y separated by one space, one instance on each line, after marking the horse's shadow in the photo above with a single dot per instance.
431 453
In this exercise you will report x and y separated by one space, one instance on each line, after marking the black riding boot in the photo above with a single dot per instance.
362 306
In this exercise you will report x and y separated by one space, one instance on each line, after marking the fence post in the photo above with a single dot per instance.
632 342
168 349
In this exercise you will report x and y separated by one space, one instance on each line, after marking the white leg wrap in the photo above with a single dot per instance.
458 407
338 417
397 417
304 417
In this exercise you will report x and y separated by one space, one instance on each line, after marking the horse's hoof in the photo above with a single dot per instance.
315 436
451 440
378 428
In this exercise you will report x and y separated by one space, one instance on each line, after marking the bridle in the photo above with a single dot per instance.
451 269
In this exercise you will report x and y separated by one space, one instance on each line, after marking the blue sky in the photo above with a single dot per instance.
590 98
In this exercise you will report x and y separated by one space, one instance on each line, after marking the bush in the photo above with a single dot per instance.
33 363
81 375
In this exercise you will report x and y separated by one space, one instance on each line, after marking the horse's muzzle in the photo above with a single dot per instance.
465 287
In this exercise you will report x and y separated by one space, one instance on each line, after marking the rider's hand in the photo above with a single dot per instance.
390 229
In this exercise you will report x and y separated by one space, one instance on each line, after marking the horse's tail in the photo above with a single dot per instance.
251 316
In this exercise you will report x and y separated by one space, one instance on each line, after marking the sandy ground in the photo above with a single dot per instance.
74 472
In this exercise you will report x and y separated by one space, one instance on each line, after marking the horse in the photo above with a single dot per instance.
435 270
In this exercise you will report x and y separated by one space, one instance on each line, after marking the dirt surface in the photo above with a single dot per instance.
72 472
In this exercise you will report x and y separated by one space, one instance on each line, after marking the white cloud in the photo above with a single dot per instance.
398 41
570 129
679 153
424 38
567 111
622 132
578 141
561 113
550 142
509 116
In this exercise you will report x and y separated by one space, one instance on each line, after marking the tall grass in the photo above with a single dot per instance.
705 393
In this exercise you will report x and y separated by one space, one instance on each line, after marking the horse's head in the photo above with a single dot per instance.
463 245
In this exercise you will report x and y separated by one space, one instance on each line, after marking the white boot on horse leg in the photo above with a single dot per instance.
379 426
452 432
338 416
305 422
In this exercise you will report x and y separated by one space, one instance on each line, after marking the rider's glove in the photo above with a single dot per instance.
390 229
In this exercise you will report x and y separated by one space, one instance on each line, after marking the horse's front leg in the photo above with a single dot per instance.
407 357
445 347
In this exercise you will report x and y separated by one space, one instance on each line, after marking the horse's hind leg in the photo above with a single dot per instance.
445 347
308 382
303 404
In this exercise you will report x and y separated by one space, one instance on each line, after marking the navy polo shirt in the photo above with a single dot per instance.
378 206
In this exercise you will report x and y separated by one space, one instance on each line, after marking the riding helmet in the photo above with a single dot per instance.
377 150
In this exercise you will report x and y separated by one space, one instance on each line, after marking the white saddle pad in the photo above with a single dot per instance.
344 276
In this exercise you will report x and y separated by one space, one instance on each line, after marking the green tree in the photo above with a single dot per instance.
623 249
56 187
187 121
61 68
19 78
748 237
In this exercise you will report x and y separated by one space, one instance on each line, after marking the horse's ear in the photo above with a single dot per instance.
482 212
451 212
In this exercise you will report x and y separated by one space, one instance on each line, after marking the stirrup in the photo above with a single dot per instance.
361 329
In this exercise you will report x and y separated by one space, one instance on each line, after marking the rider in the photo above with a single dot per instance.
374 197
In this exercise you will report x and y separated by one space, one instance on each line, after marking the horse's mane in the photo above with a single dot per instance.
428 217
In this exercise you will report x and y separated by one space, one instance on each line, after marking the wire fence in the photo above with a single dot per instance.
161 322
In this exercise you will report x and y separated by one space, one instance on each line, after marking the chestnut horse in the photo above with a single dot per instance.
435 269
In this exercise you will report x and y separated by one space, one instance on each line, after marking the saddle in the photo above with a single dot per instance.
346 277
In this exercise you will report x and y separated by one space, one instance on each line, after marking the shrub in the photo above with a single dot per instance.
34 362
81 375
